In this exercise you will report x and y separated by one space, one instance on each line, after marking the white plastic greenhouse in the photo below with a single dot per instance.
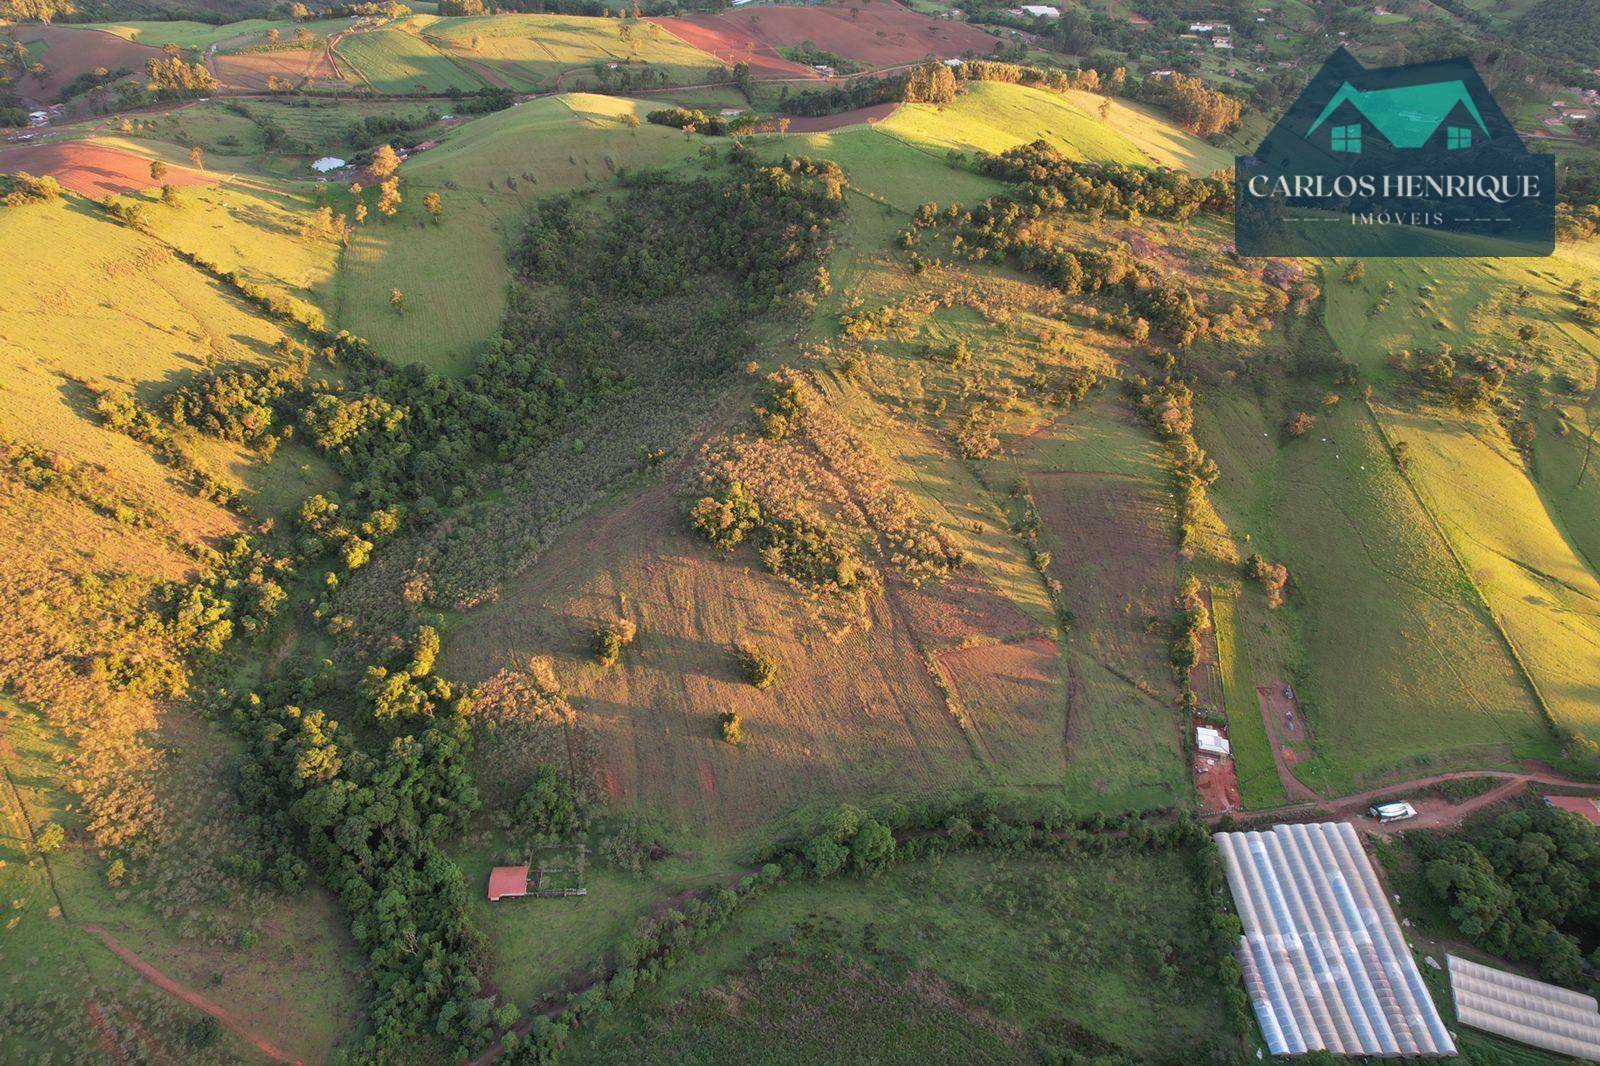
1324 960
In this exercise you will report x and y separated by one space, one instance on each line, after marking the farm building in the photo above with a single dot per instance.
1585 807
1211 741
508 882
327 163
1522 1009
1042 11
1324 960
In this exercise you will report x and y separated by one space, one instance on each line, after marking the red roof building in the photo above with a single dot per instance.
508 882
1583 806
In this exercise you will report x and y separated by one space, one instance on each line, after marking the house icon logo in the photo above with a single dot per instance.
1395 161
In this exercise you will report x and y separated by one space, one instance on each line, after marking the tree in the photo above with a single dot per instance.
272 35
361 212
397 300
610 638
158 170
1355 272
389 198
197 157
757 667
51 838
169 195
44 11
550 806
385 161
434 205
1298 425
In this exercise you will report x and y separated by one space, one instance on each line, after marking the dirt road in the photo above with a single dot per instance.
189 996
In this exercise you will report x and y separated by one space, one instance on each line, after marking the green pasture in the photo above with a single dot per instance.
530 52
489 173
395 60
1398 667
992 116
1259 784
986 934
1542 592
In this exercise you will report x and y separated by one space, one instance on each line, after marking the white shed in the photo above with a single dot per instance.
327 163
1211 741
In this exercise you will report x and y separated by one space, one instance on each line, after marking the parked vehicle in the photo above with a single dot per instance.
1392 812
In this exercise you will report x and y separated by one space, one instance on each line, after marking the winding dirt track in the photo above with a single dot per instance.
189 996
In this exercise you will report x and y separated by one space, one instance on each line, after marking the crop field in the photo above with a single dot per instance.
1541 592
395 60
878 33
249 71
68 52
1259 784
1397 666
971 951
728 45
531 52
489 173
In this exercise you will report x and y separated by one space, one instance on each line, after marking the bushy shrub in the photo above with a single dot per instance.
758 668
610 638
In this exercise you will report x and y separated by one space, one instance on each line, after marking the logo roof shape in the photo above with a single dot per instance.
1407 116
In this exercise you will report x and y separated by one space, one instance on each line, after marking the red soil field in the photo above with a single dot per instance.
883 34
251 70
69 52
730 45
1217 783
93 170
822 123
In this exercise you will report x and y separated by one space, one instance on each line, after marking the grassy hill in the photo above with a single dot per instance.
994 116
531 53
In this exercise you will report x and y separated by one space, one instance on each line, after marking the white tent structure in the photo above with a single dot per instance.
1324 960
1520 1008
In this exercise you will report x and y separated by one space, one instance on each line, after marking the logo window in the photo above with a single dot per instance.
1347 138
1458 137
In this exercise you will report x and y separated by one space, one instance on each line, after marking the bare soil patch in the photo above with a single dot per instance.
878 33
732 44
250 71
93 170
1217 783
69 52
871 116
